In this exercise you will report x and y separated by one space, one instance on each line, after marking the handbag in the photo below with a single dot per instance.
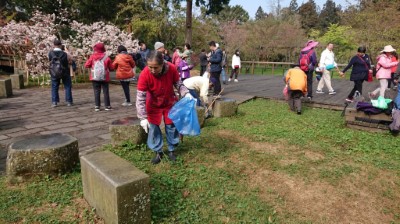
370 74
329 67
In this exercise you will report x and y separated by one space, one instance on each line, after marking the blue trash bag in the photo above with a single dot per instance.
184 116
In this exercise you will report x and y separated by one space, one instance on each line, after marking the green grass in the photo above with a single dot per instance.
240 169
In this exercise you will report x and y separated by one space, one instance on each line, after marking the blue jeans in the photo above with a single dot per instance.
196 96
55 84
155 138
223 75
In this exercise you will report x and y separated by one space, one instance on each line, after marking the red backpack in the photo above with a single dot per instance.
305 61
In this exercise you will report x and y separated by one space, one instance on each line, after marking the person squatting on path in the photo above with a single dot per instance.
384 70
236 65
309 52
327 62
59 63
215 67
100 63
361 64
296 80
155 98
124 65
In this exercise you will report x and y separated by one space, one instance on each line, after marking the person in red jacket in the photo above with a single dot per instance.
124 65
155 98
395 58
100 65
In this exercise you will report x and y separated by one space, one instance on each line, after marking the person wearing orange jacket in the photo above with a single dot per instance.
296 80
100 65
124 65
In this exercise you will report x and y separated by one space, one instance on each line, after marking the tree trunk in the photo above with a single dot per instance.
188 36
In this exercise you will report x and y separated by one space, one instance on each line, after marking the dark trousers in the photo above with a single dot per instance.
216 82
196 96
125 87
203 69
234 71
309 82
294 99
97 85
357 87
391 80
55 84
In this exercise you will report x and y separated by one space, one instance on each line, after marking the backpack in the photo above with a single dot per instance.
99 70
57 69
305 61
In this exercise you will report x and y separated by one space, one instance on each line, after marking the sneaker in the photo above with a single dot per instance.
309 98
332 92
96 108
229 79
157 158
70 104
299 112
236 80
172 156
319 91
126 104
54 104
349 100
108 108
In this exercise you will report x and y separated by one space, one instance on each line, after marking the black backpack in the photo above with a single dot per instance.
57 70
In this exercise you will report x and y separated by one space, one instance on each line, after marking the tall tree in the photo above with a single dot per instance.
309 15
293 7
260 14
233 13
329 15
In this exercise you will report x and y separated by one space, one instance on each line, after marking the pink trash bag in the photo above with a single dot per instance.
285 92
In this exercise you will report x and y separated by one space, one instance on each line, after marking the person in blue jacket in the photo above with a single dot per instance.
215 67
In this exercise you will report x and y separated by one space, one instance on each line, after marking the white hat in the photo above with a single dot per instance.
158 45
388 48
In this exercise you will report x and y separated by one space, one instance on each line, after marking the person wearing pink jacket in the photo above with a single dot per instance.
384 70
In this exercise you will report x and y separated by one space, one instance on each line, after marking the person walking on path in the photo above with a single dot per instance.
124 65
394 69
296 80
223 65
203 61
176 58
384 67
155 98
100 65
327 62
143 52
159 46
361 65
59 70
215 67
309 58
236 65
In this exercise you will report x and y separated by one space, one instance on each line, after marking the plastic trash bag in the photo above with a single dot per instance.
381 103
184 116
285 92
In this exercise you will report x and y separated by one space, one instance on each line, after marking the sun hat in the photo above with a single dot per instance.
388 48
158 45
309 45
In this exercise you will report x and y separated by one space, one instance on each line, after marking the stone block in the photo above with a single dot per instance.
5 88
127 129
225 107
118 191
201 115
40 155
17 81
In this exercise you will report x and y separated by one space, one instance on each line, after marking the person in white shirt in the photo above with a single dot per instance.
327 63
236 64
198 85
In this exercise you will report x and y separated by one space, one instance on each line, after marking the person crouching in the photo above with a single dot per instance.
296 80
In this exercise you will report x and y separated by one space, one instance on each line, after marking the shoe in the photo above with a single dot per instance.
236 80
332 92
299 112
229 79
319 91
70 104
157 158
309 98
108 108
349 100
96 108
54 104
126 104
172 156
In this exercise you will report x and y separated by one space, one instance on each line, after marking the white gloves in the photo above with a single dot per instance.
145 125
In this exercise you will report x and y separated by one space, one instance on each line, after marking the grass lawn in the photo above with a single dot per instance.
265 165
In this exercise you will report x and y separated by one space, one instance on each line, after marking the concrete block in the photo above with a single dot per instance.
129 129
5 88
201 115
118 191
17 81
40 155
225 107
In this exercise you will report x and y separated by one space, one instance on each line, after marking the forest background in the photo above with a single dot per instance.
275 36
